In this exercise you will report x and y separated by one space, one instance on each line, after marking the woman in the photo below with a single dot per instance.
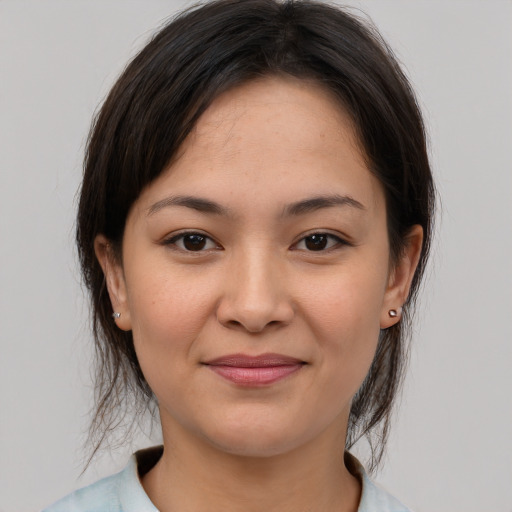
254 221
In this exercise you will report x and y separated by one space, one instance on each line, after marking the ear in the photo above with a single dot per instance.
114 278
400 278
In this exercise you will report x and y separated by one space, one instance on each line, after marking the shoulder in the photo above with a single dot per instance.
376 499
121 492
373 497
102 496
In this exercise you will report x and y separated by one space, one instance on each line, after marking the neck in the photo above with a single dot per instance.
192 476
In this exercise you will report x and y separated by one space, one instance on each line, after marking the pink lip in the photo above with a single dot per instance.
254 370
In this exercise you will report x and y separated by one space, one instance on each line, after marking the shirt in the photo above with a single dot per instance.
123 492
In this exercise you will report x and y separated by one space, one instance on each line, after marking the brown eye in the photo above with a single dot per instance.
316 242
319 242
192 242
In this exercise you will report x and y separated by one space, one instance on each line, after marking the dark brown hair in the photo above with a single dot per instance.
157 101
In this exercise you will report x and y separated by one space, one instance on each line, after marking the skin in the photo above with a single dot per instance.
256 287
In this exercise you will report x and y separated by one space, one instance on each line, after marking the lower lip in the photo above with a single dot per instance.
259 376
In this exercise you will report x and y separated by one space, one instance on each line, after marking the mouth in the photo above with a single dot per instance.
254 371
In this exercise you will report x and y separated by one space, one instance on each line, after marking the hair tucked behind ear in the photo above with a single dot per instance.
157 101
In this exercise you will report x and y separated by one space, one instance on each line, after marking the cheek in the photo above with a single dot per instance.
167 314
345 303
167 298
344 313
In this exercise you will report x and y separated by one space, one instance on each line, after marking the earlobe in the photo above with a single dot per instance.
114 279
401 277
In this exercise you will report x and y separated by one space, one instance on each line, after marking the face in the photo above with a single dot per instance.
256 273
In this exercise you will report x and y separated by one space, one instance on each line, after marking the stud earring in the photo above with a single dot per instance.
115 315
394 313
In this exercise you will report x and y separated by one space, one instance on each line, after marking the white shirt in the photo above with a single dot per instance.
123 492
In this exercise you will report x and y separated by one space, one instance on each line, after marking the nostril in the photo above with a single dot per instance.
252 328
254 312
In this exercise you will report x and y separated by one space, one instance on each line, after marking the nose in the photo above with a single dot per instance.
255 295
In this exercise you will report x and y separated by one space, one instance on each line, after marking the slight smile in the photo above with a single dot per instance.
254 371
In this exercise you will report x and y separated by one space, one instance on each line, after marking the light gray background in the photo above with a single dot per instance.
451 448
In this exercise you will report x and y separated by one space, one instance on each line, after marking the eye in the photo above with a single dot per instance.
319 242
192 242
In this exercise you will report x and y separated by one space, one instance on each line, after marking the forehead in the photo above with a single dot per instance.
271 135
278 112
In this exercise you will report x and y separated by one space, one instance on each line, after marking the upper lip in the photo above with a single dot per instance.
260 361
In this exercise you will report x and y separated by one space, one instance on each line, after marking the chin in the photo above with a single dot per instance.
253 446
255 439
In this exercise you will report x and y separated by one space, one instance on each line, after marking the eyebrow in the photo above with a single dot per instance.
318 202
196 203
298 208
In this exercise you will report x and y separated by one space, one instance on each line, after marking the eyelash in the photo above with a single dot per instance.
176 239
336 241
178 242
